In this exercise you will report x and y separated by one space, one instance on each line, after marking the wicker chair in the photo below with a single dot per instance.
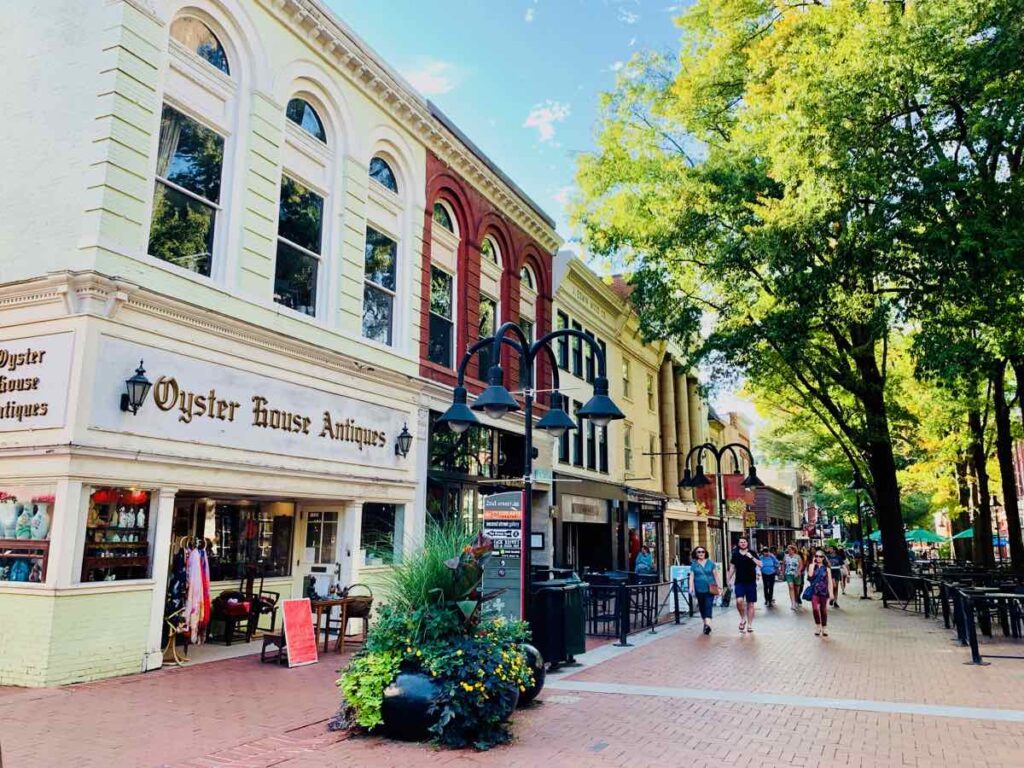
359 607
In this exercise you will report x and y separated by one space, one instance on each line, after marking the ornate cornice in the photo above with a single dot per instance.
90 293
323 30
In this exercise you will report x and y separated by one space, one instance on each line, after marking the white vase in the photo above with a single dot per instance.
41 522
23 529
8 519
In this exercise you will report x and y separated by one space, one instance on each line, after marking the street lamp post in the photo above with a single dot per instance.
698 479
496 401
857 485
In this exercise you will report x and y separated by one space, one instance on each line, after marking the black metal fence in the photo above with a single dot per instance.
969 601
621 609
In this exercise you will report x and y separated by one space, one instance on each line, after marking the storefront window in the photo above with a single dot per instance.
242 536
382 533
118 544
26 517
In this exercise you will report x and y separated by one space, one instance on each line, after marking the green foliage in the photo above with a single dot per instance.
429 626
363 683
425 576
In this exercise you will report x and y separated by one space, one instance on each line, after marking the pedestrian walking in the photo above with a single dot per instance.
821 590
704 584
792 565
769 569
844 569
801 574
743 577
835 563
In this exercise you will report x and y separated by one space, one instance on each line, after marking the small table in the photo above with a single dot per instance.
320 607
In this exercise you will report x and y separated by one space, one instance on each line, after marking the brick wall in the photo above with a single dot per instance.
477 217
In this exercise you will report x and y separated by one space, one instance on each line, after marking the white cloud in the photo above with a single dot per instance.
632 41
432 77
544 116
562 195
529 15
628 17
616 66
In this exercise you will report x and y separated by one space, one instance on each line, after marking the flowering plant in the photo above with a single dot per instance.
432 624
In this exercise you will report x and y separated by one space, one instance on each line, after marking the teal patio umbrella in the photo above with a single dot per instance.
924 535
997 541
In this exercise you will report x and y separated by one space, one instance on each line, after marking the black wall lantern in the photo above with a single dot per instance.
136 389
403 442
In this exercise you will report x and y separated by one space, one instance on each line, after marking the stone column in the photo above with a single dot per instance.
67 533
669 440
349 541
682 430
696 415
161 516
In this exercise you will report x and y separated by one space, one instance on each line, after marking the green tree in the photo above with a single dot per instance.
776 184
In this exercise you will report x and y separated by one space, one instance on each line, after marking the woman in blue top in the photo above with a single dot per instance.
769 569
704 584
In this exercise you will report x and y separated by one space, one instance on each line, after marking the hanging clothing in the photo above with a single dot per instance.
196 606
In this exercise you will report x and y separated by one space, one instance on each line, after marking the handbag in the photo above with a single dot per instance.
713 589
808 594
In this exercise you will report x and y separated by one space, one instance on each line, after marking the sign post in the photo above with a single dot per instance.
503 525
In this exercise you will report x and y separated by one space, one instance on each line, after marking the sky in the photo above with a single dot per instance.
521 78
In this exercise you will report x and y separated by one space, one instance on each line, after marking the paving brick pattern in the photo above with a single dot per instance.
238 714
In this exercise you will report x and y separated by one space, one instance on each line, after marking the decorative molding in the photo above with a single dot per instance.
311 20
90 293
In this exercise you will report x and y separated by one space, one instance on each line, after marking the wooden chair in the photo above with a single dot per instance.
262 602
359 606
233 609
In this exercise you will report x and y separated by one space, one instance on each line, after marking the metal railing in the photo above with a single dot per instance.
908 593
619 610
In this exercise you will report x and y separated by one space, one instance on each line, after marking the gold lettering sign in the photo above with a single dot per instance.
11 361
169 395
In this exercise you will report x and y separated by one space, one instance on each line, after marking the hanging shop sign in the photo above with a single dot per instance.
503 525
34 375
196 401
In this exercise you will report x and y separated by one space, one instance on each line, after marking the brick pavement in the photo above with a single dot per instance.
236 713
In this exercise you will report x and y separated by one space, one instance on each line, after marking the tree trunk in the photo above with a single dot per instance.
961 522
882 462
983 518
1004 453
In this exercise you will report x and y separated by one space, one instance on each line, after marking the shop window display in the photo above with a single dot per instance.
382 533
26 515
117 542
239 535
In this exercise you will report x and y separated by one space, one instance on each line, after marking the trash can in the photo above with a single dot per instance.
557 619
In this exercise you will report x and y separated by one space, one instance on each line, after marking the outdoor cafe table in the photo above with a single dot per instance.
1003 602
321 607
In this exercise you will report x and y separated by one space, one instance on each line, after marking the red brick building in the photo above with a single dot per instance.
486 252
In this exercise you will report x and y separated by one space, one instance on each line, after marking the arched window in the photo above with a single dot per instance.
489 250
443 217
381 172
527 278
199 39
301 112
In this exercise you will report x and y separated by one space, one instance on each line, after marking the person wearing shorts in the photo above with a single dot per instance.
743 576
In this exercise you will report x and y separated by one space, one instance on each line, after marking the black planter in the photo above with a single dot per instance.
536 662
406 707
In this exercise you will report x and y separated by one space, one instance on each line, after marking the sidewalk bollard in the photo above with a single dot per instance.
623 611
